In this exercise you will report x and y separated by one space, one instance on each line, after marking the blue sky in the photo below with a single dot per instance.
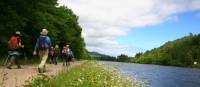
115 27
150 37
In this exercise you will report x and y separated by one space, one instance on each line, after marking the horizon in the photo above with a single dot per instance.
128 27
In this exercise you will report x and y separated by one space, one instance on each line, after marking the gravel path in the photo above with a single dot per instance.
16 77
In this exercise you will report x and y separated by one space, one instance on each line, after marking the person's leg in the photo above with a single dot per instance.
51 59
67 60
70 58
63 58
11 59
55 58
44 56
17 62
40 55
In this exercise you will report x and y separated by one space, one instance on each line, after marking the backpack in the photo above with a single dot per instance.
43 44
13 43
52 51
65 51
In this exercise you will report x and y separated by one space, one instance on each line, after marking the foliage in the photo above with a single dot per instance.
181 52
30 16
107 58
123 58
88 74
41 80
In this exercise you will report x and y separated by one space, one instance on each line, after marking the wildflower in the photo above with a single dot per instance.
80 80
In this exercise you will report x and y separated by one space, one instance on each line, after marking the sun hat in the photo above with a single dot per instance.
17 32
44 32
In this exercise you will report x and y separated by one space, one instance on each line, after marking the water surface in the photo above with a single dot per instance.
160 76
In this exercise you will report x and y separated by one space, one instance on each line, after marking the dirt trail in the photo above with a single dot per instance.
16 77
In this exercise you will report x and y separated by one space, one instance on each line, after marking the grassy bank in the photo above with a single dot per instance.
88 74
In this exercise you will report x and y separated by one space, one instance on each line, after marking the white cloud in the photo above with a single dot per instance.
105 20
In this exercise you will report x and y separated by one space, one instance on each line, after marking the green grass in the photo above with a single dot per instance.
88 74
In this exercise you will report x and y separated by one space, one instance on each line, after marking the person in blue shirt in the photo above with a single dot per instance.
43 46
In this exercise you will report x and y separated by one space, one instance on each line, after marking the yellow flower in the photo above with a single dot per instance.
80 80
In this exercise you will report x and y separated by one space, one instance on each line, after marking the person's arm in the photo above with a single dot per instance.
36 47
19 41
72 54
49 42
63 51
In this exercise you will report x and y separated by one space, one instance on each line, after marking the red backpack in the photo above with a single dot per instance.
14 43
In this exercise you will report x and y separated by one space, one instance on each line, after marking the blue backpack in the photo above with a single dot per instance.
43 44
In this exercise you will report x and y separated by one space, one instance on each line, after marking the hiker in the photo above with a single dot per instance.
56 53
72 56
52 56
65 55
43 46
14 46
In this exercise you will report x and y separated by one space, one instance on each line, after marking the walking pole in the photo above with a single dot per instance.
25 58
5 62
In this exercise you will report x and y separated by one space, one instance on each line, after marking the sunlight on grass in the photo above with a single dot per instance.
88 74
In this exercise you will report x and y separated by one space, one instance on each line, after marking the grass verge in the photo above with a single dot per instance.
88 74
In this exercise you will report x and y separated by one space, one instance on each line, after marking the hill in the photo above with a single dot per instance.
96 54
181 52
100 56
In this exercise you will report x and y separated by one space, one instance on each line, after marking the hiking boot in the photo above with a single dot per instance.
44 70
19 67
39 70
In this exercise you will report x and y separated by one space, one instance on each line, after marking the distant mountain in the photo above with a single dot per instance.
96 54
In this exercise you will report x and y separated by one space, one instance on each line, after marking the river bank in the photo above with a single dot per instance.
88 74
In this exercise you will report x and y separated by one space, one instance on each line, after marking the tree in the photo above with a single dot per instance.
122 58
181 52
31 16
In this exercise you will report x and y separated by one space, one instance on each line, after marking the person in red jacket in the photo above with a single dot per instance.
14 45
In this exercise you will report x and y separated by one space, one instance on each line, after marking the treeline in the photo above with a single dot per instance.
103 57
30 16
181 52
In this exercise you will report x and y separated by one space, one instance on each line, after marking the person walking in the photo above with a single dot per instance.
56 53
43 46
14 45
52 56
70 54
65 55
